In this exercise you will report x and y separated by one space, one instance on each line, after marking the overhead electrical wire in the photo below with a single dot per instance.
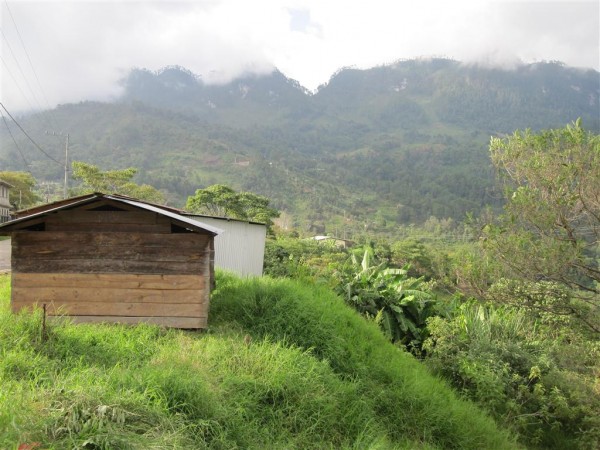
37 79
20 69
29 137
16 145
17 83
47 123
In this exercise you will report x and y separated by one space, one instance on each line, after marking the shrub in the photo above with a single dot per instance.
399 304
302 259
524 375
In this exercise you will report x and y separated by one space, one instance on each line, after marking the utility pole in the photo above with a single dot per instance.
66 167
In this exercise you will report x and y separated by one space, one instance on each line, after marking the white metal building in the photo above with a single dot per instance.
240 248
5 205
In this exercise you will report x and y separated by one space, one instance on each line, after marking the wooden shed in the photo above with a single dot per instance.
109 258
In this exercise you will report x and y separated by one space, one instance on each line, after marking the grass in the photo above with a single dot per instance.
283 366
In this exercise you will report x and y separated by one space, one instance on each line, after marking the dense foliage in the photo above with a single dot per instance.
533 369
536 378
291 257
399 304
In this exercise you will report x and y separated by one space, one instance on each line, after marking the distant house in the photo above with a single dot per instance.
109 258
241 246
5 205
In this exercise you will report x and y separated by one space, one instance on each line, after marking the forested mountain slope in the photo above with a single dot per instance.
369 149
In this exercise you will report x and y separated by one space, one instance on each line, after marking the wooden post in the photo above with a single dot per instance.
44 335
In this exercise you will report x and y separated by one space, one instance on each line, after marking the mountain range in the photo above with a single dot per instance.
369 150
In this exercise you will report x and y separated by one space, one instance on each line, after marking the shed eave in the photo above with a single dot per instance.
226 219
193 225
185 221
5 228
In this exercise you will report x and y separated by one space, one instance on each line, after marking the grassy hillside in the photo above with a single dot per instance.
283 366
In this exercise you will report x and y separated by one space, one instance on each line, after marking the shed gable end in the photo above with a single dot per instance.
101 259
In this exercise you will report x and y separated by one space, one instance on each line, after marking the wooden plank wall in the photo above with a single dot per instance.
110 252
100 266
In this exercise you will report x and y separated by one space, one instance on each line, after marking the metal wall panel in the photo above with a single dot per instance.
241 246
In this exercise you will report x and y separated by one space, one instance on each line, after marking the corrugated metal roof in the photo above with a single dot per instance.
44 212
227 219
170 214
52 205
94 195
69 203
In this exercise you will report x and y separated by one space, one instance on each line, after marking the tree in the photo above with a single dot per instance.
221 200
549 232
22 194
113 181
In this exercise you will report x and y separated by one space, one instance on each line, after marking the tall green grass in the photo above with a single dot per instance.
405 399
312 375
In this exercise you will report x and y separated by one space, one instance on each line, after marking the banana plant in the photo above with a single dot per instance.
398 303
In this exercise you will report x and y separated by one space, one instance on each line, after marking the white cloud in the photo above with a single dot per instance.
80 49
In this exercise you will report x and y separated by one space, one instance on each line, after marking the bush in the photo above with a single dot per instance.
302 259
399 304
539 383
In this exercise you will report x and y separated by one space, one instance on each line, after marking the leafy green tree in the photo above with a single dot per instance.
415 253
113 181
22 194
550 230
221 200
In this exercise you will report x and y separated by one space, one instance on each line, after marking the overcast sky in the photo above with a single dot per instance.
80 49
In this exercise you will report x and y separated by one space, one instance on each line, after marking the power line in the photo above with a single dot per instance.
20 69
27 55
29 137
16 145
17 83
24 77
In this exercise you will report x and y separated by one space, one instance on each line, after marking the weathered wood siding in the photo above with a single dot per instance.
104 252
114 266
